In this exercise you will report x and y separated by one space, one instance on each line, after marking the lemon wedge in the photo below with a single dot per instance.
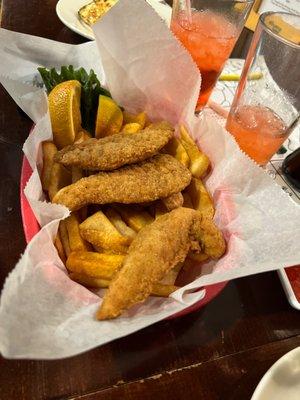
109 117
64 108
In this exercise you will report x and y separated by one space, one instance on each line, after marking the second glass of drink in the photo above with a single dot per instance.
265 111
209 30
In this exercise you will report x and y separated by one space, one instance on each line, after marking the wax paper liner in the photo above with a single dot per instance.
45 315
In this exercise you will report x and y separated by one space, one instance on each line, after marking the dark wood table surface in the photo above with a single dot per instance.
220 352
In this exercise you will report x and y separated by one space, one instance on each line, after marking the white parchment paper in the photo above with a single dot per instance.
45 315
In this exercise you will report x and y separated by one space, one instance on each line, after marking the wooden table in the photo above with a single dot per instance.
220 352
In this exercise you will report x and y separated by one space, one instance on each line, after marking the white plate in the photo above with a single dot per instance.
282 380
67 12
288 289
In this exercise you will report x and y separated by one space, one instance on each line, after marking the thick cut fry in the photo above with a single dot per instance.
49 150
64 237
160 290
176 149
135 217
187 201
140 118
99 231
59 178
200 197
199 162
133 127
94 264
60 249
119 224
89 281
76 241
81 136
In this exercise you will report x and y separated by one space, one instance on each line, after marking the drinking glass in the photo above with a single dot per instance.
209 30
265 111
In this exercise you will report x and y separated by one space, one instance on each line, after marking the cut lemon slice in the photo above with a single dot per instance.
109 117
64 108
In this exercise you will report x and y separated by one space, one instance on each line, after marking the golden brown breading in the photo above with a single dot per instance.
156 249
173 201
112 152
158 177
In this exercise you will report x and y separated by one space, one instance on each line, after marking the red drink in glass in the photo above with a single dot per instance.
258 131
210 38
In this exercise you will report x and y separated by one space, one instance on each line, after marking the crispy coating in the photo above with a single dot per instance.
158 177
173 201
156 249
112 152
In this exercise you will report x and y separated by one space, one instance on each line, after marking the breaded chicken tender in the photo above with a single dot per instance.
156 178
155 250
112 152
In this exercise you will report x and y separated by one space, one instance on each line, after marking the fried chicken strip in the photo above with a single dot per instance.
158 177
173 201
112 152
155 250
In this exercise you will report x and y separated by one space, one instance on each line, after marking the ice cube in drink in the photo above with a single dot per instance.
210 38
258 130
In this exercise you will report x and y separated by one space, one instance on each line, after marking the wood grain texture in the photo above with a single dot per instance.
228 378
224 348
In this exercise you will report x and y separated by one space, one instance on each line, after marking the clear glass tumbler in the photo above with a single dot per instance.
265 111
209 30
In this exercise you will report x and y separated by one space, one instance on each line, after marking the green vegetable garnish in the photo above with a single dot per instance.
90 90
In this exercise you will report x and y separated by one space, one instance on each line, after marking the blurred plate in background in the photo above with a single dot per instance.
67 12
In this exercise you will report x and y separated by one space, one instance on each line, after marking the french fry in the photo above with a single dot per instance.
199 162
160 290
99 231
200 197
89 281
176 149
119 224
64 237
94 264
187 201
132 127
81 136
134 217
59 178
77 174
49 150
140 118
60 249
76 241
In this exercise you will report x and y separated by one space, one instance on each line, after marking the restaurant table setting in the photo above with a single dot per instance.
45 315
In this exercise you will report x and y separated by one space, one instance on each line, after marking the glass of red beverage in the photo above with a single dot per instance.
209 30
265 111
